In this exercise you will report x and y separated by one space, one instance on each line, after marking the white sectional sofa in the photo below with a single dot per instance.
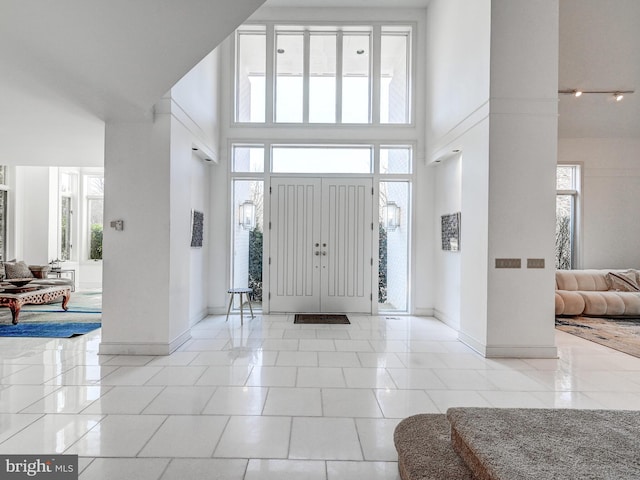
598 293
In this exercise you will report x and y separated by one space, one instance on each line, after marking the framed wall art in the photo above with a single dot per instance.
197 228
451 232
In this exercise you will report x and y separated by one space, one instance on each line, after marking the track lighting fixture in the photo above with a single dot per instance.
577 92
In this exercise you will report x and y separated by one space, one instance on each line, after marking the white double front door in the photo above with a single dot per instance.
321 245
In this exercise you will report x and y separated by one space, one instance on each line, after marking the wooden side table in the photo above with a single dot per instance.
239 291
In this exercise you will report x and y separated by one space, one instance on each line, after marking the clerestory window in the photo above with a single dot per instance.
341 74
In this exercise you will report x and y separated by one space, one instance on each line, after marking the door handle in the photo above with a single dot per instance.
324 253
317 253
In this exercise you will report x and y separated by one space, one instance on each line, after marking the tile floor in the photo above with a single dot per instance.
274 400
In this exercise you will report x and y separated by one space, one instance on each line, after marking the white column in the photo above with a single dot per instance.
520 181
136 265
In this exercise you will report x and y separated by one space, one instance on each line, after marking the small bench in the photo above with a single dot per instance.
239 291
34 295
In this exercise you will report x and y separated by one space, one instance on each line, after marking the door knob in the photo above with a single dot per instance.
317 244
324 253
317 253
324 244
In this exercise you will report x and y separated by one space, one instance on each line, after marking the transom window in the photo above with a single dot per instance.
323 74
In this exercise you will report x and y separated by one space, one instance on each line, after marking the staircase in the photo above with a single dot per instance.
508 444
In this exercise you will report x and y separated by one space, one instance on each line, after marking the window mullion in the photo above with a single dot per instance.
269 73
305 76
376 66
339 50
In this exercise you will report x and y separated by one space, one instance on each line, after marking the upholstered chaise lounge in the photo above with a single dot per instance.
19 269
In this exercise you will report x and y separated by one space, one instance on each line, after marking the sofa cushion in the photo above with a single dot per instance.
589 280
623 281
569 303
17 270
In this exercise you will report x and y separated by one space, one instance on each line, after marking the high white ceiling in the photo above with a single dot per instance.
68 65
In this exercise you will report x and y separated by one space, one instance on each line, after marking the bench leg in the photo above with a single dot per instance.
65 300
241 319
15 313
250 307
229 309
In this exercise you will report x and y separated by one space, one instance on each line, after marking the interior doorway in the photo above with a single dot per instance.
321 232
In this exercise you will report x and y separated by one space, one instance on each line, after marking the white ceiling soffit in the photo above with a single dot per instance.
599 50
115 58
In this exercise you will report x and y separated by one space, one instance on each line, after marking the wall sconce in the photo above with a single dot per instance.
247 215
391 216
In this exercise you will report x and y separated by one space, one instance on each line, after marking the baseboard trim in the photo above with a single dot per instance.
201 315
118 348
444 318
423 312
515 351
216 310
472 343
508 351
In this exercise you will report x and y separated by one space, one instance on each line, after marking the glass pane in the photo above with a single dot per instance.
564 231
566 177
248 201
96 206
65 183
95 186
356 85
248 159
395 160
3 174
289 77
393 270
322 81
394 81
65 228
250 77
321 160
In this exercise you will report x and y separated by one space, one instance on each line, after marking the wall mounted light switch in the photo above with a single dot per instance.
508 263
535 262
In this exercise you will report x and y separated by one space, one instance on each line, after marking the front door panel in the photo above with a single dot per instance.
321 245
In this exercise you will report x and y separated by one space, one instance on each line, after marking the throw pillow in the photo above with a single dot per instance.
17 270
623 281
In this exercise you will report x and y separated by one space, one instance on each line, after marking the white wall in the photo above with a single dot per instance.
457 96
196 95
609 199
136 280
457 65
153 166
507 137
448 200
32 211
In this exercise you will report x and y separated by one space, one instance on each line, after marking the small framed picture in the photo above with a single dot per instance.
197 228
451 232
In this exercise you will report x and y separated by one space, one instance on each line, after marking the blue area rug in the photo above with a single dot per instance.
47 329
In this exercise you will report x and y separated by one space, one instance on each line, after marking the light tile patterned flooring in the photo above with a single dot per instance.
274 400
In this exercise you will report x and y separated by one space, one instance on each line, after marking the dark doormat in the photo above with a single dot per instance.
321 318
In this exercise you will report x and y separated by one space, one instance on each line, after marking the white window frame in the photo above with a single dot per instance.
310 28
88 198
576 214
